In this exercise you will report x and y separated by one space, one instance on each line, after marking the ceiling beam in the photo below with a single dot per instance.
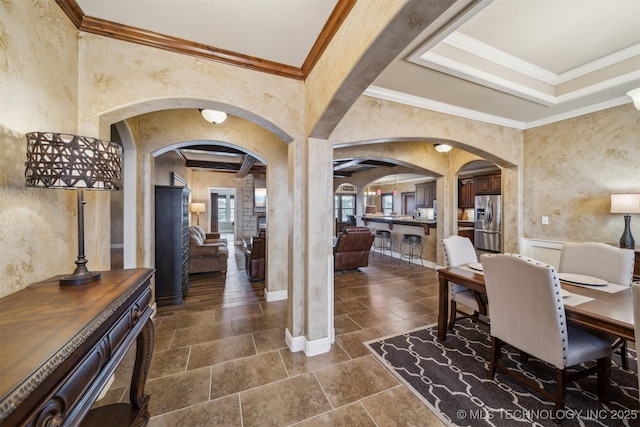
247 163
347 164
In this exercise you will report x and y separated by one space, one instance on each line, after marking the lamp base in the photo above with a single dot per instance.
80 278
626 241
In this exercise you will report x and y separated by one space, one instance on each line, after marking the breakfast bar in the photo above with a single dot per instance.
401 225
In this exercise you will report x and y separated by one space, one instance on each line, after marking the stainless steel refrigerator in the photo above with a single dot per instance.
488 223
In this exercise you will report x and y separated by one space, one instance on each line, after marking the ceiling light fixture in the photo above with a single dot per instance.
442 148
213 116
635 95
395 191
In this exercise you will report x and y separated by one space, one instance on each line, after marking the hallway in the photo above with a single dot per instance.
221 359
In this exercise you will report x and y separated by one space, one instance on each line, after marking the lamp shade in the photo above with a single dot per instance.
196 207
58 160
625 203
213 116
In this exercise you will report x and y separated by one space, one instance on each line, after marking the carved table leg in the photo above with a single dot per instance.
144 351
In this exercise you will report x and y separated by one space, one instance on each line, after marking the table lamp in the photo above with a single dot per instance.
197 208
626 204
58 160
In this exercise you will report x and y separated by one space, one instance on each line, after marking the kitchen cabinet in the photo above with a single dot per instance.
466 193
488 184
425 194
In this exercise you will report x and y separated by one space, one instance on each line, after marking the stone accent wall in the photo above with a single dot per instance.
249 219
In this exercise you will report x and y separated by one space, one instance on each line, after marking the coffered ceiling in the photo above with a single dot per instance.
516 63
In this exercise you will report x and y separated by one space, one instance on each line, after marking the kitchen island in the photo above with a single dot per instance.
399 225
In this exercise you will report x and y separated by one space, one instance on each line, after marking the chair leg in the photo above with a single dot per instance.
561 388
496 344
452 313
604 379
623 355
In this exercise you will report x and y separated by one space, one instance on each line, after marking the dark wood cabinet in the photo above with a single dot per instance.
61 344
488 184
172 244
466 193
636 266
425 194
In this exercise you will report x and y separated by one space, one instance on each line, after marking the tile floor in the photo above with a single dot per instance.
221 359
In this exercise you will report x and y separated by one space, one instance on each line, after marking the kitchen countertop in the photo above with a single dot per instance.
426 224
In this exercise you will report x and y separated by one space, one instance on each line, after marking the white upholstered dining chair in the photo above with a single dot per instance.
527 313
459 251
595 259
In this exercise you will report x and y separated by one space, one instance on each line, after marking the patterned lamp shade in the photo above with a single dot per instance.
58 160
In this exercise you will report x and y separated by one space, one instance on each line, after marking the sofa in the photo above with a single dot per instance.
254 256
351 248
206 255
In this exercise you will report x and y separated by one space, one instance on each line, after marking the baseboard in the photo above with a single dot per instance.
275 295
295 344
310 348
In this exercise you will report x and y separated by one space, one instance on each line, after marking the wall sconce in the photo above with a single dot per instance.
626 204
442 148
57 160
196 208
395 191
213 116
635 95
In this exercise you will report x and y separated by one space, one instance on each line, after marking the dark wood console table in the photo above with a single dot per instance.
60 345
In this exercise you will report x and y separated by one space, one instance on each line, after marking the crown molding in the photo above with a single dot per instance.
177 45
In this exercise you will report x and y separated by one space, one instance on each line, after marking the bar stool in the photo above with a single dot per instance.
383 242
413 241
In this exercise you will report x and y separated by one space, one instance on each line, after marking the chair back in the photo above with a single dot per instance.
526 306
354 239
458 251
595 259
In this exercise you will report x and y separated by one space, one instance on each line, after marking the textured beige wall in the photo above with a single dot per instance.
38 235
571 167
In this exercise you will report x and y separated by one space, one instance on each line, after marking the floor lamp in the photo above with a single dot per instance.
57 160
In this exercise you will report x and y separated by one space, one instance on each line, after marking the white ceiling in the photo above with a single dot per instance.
517 63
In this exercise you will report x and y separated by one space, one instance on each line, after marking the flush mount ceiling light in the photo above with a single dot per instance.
213 116
635 95
442 148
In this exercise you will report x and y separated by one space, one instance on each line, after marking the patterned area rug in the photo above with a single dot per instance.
451 378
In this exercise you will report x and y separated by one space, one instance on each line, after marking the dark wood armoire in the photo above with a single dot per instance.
172 244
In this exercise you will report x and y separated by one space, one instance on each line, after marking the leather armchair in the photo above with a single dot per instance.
254 256
351 248
206 257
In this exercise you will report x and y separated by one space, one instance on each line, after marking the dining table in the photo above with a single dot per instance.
609 311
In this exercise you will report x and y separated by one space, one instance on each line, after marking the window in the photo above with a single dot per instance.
387 203
345 205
